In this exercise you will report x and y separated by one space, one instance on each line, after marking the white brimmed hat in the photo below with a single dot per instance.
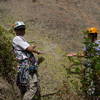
19 25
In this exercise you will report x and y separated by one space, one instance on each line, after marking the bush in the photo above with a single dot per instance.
7 59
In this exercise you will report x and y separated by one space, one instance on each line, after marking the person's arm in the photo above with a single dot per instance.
71 54
76 54
32 49
25 45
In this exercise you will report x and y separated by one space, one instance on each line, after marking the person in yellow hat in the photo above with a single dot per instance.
91 53
92 34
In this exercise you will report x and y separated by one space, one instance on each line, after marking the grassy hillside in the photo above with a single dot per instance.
54 78
60 20
55 27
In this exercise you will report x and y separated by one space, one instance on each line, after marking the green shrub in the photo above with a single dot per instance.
90 73
92 70
7 59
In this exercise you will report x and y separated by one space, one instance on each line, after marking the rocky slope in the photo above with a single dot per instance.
8 91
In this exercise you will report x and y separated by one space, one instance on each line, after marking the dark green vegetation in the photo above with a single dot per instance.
89 69
7 58
8 89
91 79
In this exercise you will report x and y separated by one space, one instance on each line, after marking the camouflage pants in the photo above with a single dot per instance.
32 88
33 81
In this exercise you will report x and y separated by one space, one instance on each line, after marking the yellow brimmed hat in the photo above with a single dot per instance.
92 30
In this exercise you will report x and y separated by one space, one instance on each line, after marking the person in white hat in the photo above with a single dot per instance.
24 55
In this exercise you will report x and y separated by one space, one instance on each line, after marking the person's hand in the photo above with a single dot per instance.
39 52
33 46
81 55
71 54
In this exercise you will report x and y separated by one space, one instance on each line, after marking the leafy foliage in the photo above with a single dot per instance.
7 59
92 66
91 73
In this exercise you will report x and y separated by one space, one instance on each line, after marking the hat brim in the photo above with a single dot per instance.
20 27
